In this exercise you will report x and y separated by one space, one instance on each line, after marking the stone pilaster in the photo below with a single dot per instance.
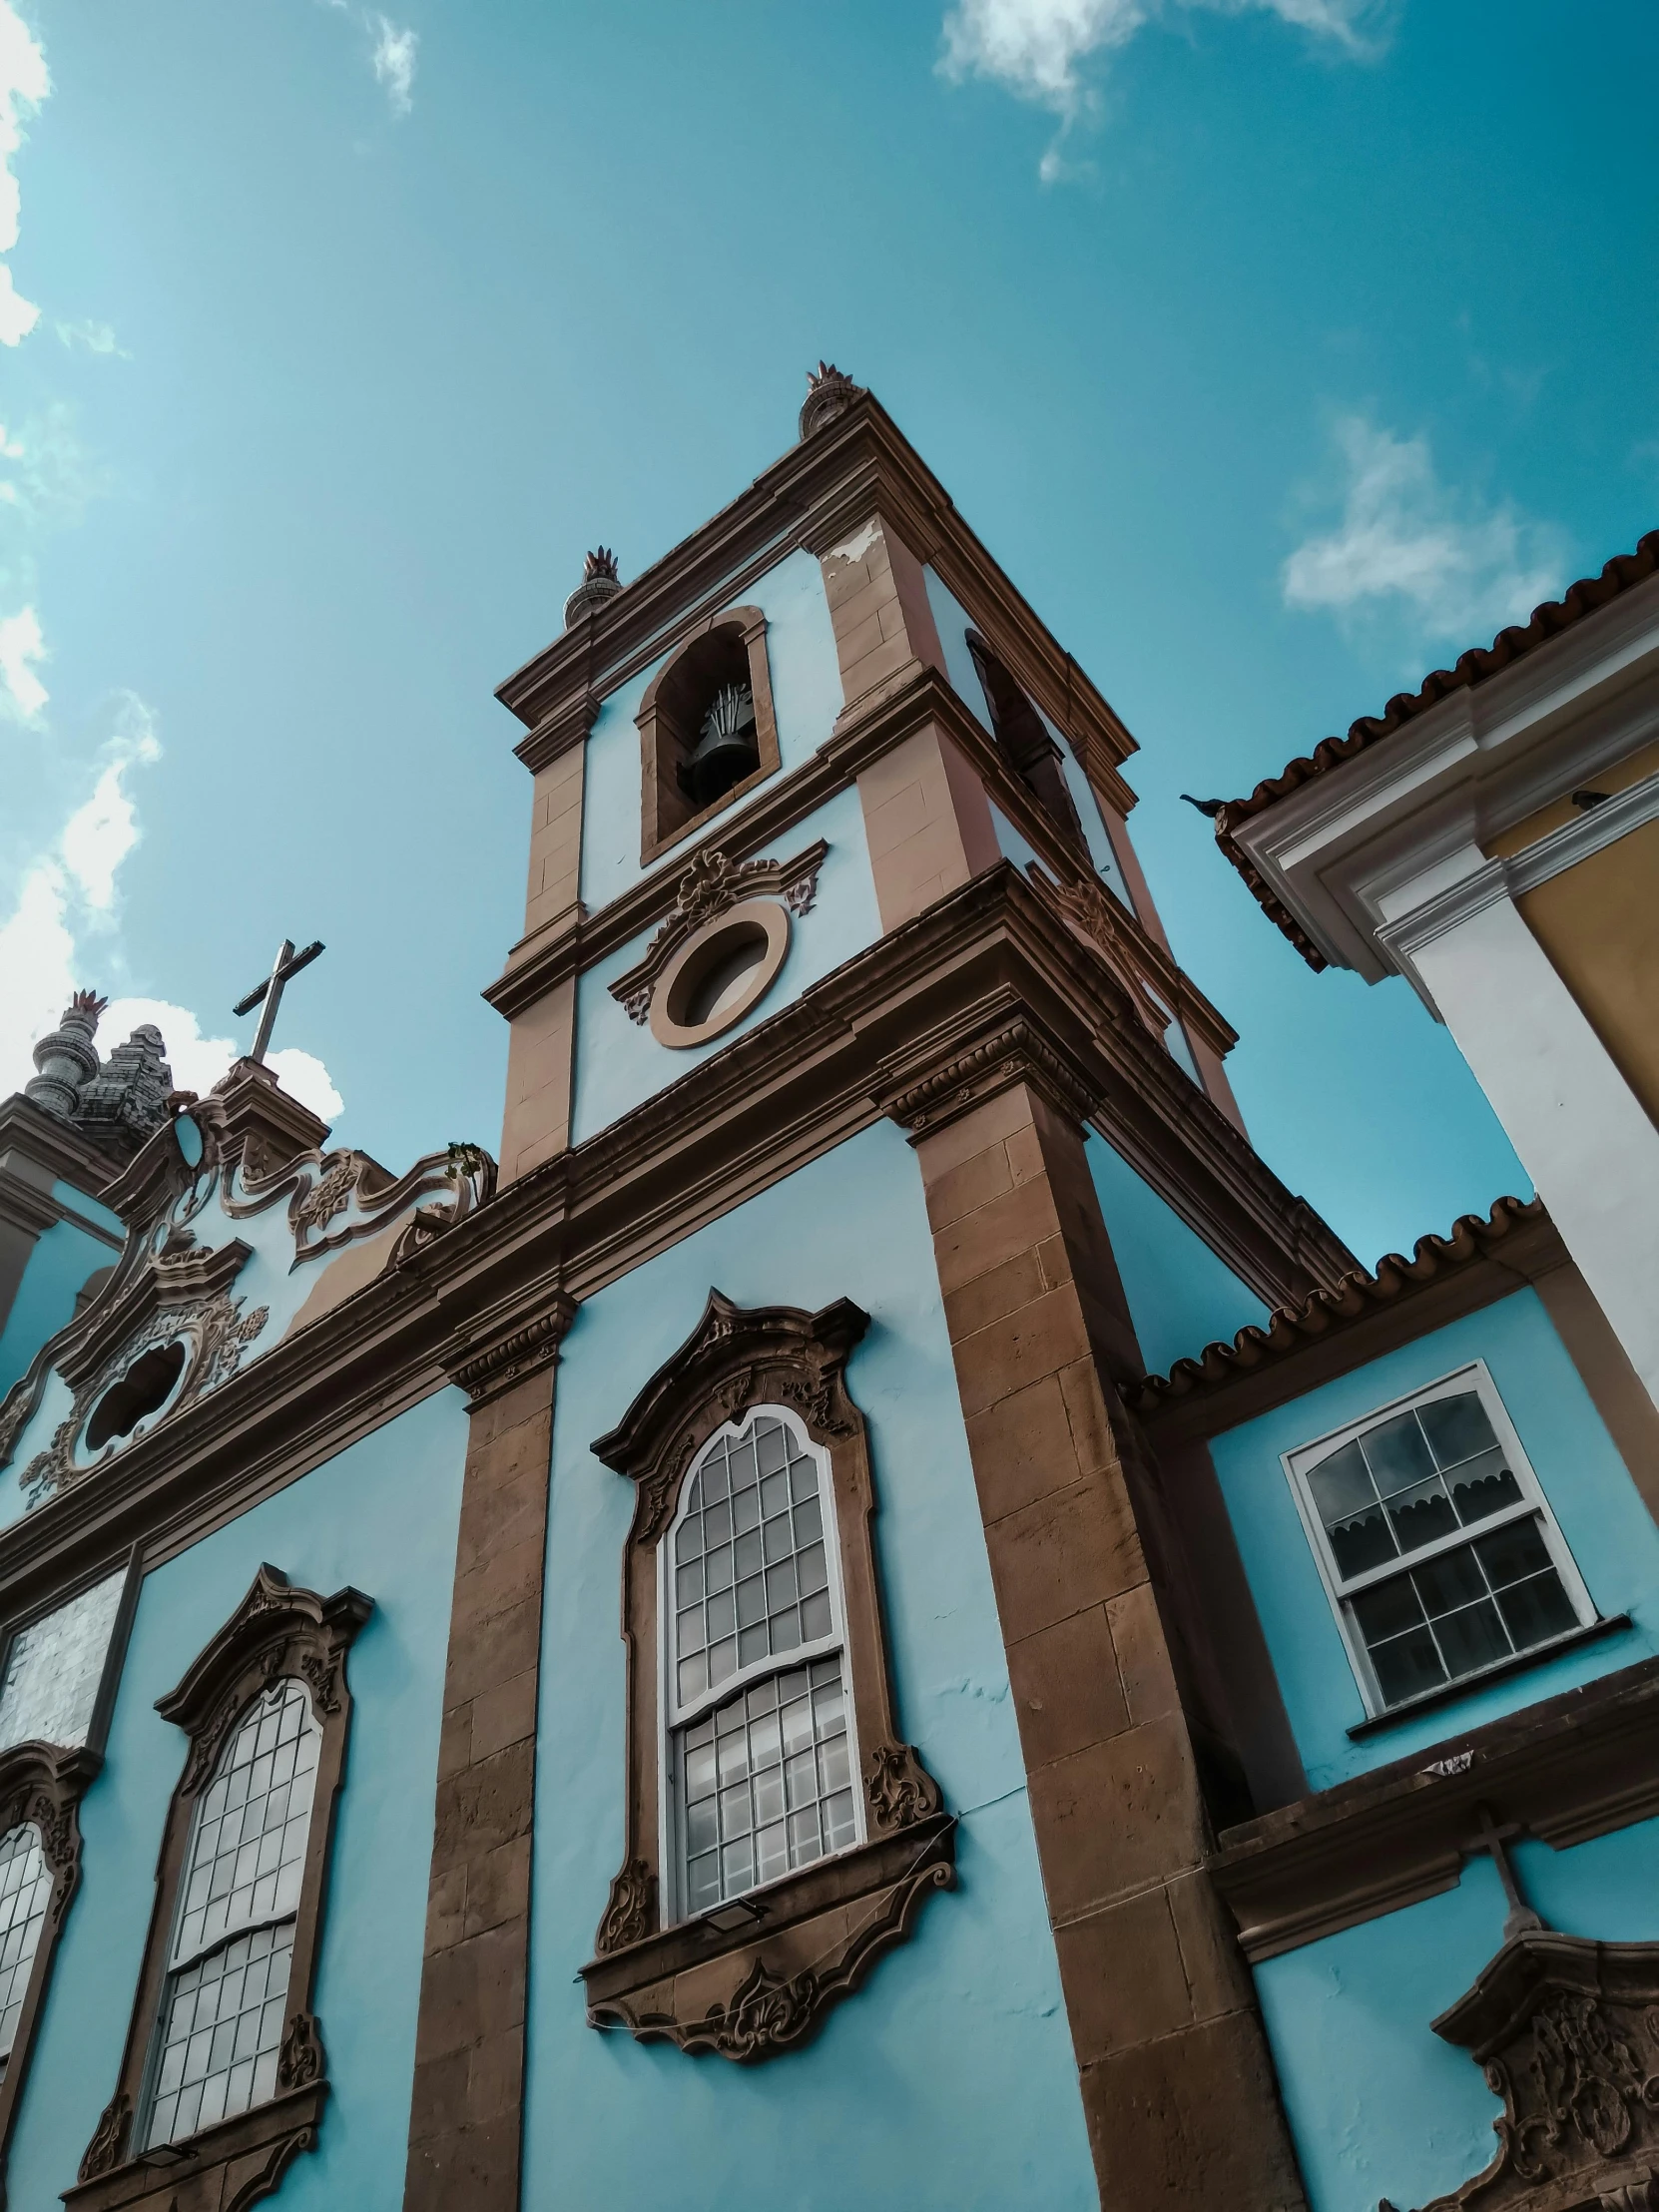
467 2121
1177 2084
926 816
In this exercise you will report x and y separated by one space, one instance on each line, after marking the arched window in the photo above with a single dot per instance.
225 2003
223 2079
24 1891
1023 741
759 1766
779 1832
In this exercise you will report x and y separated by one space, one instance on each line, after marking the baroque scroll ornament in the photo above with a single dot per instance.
1567 2035
627 1915
900 1789
214 1331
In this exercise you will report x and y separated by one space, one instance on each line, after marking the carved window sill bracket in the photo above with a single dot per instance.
225 2168
763 1989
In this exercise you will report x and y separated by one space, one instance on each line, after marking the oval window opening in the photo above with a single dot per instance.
146 1384
710 988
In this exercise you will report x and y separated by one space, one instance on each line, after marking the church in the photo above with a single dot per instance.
863 1609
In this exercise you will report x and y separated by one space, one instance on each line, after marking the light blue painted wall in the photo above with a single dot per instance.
806 697
1009 843
63 1258
384 1516
950 619
619 1063
948 2080
1609 1530
1181 1295
1379 2105
71 1195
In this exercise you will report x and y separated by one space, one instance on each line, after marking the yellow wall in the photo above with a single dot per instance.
1508 842
1599 923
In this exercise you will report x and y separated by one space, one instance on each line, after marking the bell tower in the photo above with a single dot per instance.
831 873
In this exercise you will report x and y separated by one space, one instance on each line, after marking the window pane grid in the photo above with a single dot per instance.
763 1784
1465 1610
25 1889
1412 1483
226 1991
247 1848
221 2033
749 1575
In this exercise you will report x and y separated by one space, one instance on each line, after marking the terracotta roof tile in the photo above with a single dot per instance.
1473 667
1292 1327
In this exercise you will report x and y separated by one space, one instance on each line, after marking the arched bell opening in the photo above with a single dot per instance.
706 728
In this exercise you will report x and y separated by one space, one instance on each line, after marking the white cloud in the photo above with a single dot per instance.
304 1076
198 1062
22 694
97 337
394 62
47 477
37 971
24 84
68 894
1462 568
1038 48
100 833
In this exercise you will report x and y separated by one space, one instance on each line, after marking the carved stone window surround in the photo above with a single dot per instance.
759 1987
42 1785
666 815
278 1633
713 894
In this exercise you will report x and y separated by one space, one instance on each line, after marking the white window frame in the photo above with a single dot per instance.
178 1963
1341 1589
674 1719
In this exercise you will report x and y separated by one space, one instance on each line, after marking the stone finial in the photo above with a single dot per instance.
66 1057
600 582
127 1098
828 395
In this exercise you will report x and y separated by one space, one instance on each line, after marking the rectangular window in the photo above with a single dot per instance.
1437 1547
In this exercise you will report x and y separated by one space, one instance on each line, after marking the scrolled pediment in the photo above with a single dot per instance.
1567 2034
735 1357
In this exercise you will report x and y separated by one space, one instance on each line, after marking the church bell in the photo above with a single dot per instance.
726 749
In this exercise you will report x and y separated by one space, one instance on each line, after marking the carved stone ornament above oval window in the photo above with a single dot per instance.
720 950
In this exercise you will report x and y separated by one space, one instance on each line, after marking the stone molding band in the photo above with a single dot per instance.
795 1085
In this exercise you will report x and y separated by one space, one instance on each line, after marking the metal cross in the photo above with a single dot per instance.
1497 1840
288 965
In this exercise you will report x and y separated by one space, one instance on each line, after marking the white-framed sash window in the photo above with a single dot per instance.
228 1967
758 1746
1436 1544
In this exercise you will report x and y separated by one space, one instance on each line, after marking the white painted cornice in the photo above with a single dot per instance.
1348 852
1441 911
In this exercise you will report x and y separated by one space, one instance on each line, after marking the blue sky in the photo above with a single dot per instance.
1279 349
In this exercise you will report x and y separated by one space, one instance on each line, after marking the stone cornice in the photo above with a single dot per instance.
814 494
61 1150
1572 1767
27 1206
974 965
879 721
